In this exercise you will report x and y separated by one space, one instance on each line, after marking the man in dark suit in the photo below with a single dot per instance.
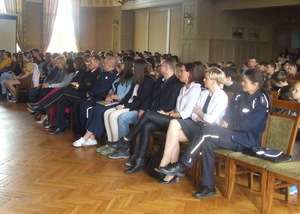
99 92
164 97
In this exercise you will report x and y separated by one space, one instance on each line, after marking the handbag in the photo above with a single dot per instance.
268 153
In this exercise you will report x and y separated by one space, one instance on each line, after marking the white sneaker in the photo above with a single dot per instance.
90 142
79 142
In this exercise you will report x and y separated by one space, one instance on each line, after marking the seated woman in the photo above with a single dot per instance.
141 89
77 77
27 72
95 120
6 62
63 78
157 121
14 70
278 80
209 110
242 127
291 69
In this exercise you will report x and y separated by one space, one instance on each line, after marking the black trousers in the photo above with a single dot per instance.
149 122
62 99
207 140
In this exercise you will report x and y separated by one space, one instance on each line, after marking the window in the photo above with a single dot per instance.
2 7
63 31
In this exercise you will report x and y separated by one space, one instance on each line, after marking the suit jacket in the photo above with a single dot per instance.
90 80
144 91
164 95
103 85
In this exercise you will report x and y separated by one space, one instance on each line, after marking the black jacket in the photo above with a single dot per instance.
103 85
144 91
164 97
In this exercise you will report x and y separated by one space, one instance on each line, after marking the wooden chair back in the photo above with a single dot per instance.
293 80
282 128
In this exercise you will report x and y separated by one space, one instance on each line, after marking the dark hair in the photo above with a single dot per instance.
70 69
231 72
28 55
141 70
79 62
36 50
96 59
284 53
200 72
8 54
272 64
255 75
151 61
126 74
286 93
279 76
16 55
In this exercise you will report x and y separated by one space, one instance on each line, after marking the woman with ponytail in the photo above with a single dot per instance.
242 127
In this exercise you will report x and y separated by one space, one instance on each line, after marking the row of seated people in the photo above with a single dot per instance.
198 116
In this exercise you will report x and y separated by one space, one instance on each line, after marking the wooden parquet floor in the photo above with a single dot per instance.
45 174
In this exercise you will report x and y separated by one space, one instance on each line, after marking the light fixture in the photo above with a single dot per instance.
188 18
120 2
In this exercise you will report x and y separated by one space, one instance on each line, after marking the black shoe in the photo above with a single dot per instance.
33 107
206 191
131 161
120 144
57 131
173 169
139 166
175 178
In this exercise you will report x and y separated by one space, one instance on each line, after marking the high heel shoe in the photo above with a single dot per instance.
43 119
175 178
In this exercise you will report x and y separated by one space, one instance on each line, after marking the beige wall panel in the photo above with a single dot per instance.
96 29
188 51
141 31
158 31
33 26
175 31
237 51
127 30
202 51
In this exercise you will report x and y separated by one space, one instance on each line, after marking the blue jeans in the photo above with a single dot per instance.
124 120
3 79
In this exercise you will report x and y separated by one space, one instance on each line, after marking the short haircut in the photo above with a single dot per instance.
96 59
279 76
216 74
28 55
231 72
170 62
8 54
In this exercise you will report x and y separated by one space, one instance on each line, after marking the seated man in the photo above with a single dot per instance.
98 93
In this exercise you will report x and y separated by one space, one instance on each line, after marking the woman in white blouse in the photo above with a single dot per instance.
158 121
209 110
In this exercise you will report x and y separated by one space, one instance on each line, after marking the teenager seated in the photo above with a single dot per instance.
242 127
131 103
27 71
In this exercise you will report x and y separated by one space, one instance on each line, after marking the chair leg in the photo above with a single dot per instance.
263 188
231 178
269 193
226 176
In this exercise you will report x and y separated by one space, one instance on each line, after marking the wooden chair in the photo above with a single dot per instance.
275 94
280 134
288 174
293 80
24 86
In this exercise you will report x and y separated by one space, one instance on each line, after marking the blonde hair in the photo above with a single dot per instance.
216 74
61 60
296 85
